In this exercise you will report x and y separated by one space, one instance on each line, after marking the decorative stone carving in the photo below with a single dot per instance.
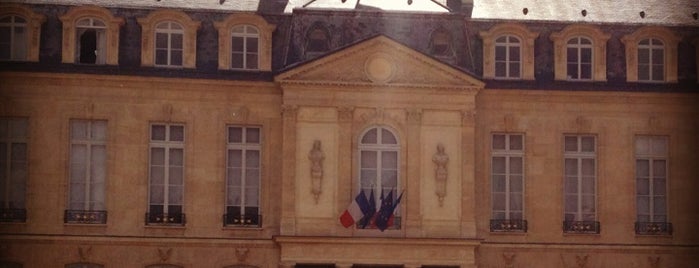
84 253
241 254
316 156
414 116
509 259
380 68
440 160
345 114
164 254
241 114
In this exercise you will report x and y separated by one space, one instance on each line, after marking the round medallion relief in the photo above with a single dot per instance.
380 68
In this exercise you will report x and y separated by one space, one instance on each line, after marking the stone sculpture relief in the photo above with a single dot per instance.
440 160
316 156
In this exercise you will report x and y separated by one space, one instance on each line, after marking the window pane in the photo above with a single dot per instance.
659 187
176 58
571 185
252 159
499 183
369 159
161 57
516 202
175 176
571 144
235 158
370 137
642 145
642 168
586 55
514 70
251 61
658 56
251 197
516 165
175 196
237 61
161 40
177 133
588 144
500 53
643 56
99 130
514 53
157 156
573 71
588 185
389 179
499 142
516 142
658 73
572 55
588 167
659 169
571 167
237 44
586 71
176 157
235 135
176 40
389 160
571 203
499 165
643 72
78 129
387 137
157 133
499 201
252 135
157 194
501 69
659 204
251 45
516 184
659 146
642 186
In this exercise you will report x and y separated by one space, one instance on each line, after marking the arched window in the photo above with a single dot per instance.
245 47
379 154
508 57
579 58
440 44
651 60
168 44
90 41
318 40
13 38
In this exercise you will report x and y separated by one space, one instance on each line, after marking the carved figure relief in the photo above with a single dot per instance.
440 160
316 156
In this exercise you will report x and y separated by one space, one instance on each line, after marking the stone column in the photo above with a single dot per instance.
468 207
288 220
412 217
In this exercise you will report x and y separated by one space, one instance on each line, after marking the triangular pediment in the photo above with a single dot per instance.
379 61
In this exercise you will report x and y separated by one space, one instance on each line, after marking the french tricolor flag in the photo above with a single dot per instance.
359 208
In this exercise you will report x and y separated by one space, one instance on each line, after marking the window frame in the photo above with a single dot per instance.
17 212
579 155
100 39
89 212
32 29
309 49
148 37
243 220
225 31
526 37
599 51
380 148
651 157
167 144
449 53
508 153
246 51
579 48
15 42
669 39
508 45
651 49
70 28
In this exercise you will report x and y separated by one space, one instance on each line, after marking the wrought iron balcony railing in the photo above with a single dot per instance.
13 215
508 226
581 227
165 219
653 228
242 220
85 216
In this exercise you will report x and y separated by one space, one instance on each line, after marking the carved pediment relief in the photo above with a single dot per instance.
379 61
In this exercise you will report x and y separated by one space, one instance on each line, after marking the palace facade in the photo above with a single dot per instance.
225 133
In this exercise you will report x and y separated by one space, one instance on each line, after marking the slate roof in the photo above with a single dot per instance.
657 12
667 12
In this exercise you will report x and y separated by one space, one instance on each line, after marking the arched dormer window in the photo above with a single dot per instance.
245 43
500 52
19 33
580 53
91 35
318 40
168 39
651 55
440 44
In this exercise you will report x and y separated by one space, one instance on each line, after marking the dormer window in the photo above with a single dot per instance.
579 62
19 33
244 43
318 41
13 38
245 47
508 52
651 60
90 41
440 44
580 53
91 36
168 44
651 55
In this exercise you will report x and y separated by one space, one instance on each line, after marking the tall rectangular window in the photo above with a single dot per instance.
13 168
91 41
507 183
13 38
579 64
651 185
243 176
651 60
580 160
166 184
508 63
168 44
88 171
245 47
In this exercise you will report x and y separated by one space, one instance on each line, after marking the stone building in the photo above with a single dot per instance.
174 133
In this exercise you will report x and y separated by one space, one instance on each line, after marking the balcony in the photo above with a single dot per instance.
508 226
653 228
174 219
581 227
13 215
85 216
237 220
